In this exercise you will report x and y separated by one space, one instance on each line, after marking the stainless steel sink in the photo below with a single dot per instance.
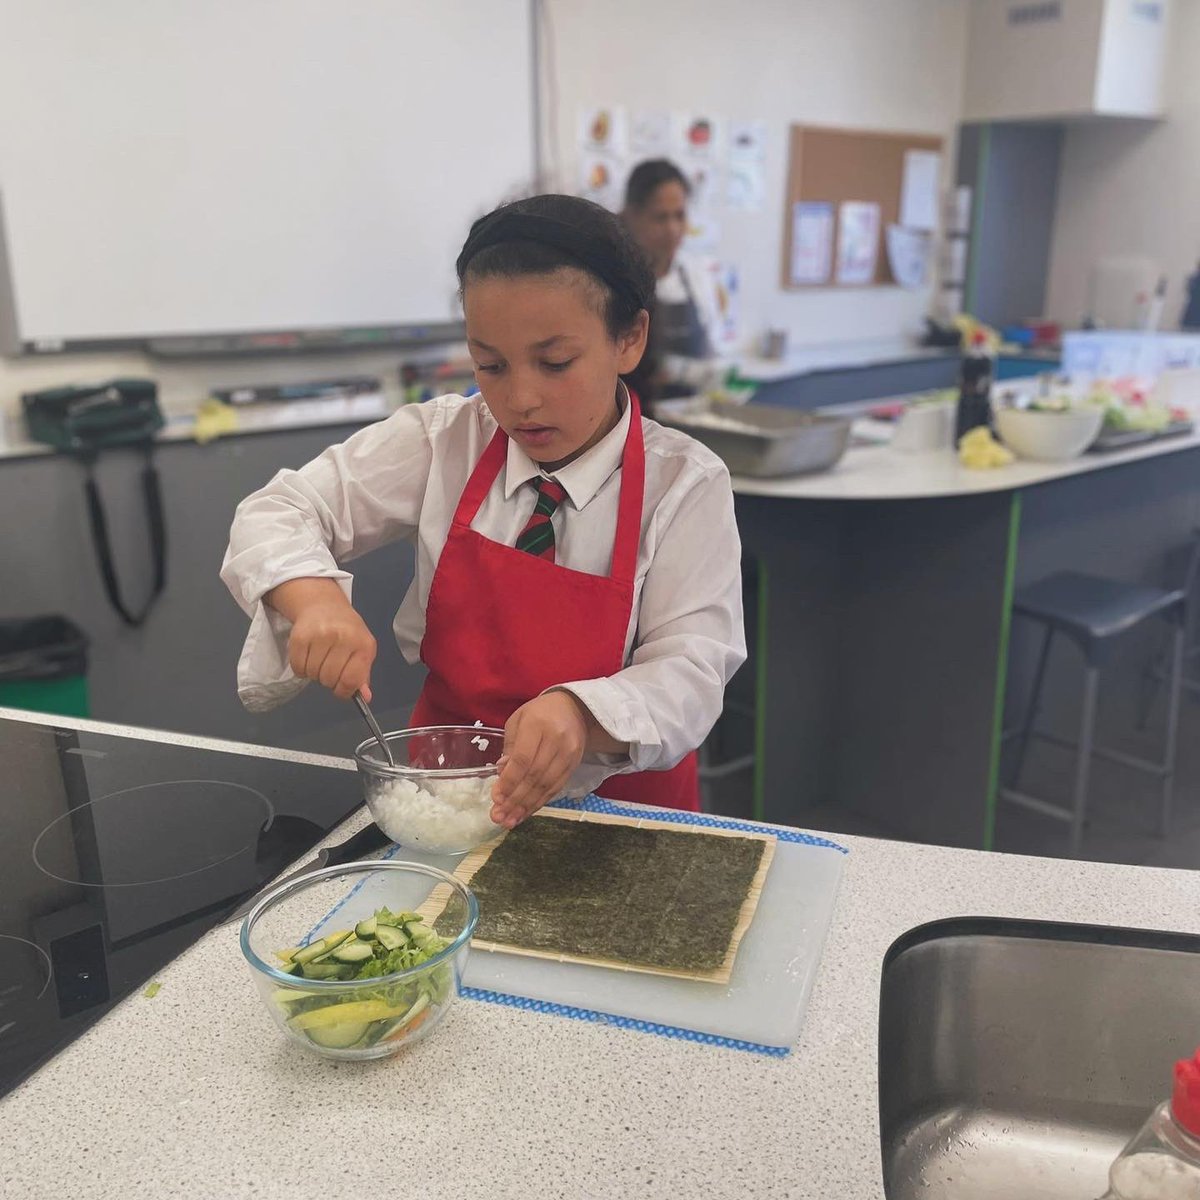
1016 1058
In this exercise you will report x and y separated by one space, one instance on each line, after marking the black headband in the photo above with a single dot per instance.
588 251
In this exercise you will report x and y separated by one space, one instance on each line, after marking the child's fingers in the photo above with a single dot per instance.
354 676
540 782
334 665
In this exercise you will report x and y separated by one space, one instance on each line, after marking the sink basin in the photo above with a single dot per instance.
1016 1058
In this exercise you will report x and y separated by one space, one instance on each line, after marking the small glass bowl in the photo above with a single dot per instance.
438 797
364 1018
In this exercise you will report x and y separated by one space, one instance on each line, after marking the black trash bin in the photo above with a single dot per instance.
43 665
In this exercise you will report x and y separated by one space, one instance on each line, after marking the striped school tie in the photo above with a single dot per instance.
537 537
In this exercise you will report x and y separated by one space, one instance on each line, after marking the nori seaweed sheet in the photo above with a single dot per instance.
649 896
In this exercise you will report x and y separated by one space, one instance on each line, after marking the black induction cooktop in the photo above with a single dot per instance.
118 852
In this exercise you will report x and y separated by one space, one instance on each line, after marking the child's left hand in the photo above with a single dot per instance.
544 741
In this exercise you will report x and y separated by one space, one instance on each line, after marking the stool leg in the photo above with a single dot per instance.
1031 709
1083 762
1150 681
1173 697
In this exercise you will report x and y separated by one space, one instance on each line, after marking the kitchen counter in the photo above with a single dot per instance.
838 356
195 1094
881 473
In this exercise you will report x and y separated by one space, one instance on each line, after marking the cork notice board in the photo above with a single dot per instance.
836 166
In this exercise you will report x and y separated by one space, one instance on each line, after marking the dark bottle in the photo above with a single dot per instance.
974 387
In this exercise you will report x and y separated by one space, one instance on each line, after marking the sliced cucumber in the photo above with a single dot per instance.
366 929
338 1037
391 938
309 952
290 968
320 947
396 919
353 952
289 954
286 996
326 970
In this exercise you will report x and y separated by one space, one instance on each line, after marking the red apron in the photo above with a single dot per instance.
502 626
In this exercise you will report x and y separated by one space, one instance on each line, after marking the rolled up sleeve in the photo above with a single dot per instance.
690 640
306 523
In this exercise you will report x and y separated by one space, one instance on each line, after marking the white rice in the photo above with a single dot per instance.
443 816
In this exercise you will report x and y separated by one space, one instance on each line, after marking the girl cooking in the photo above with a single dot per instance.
578 566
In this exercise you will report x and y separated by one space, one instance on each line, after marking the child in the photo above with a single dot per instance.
578 578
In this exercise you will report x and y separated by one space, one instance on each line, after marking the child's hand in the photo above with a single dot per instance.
329 642
544 742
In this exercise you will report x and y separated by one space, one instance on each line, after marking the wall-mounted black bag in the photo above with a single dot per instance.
82 421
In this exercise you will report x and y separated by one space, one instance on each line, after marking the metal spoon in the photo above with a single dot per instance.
369 717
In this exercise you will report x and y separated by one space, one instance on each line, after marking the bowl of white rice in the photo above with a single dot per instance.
438 796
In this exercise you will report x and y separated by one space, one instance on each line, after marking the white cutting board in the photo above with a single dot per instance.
764 1000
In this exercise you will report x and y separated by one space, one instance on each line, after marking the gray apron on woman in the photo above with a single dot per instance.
679 331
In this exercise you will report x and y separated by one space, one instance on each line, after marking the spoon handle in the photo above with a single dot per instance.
369 717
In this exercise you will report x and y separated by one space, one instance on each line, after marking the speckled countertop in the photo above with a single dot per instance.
195 1094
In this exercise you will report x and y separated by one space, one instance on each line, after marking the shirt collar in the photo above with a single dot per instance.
584 477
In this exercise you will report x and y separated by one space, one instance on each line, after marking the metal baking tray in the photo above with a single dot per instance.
1122 439
760 439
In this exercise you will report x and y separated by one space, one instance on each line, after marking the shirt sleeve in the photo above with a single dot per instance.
691 638
351 499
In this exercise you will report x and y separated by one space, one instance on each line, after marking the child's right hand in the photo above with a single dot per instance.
329 642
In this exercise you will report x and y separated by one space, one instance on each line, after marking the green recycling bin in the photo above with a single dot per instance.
43 665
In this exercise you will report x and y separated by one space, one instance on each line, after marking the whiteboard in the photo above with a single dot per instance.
182 167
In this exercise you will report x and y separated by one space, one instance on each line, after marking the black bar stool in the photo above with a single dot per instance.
1093 612
1157 672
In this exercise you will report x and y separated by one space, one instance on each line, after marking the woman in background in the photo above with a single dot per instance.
681 359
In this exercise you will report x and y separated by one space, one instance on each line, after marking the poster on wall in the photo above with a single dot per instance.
812 242
602 179
695 138
745 182
704 182
603 131
726 290
919 189
703 233
857 241
908 255
650 133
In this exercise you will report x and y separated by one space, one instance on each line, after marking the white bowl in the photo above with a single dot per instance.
1049 436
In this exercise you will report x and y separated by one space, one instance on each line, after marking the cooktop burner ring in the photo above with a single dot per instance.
7 990
268 813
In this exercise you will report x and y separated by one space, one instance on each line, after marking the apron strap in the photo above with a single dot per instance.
633 493
482 478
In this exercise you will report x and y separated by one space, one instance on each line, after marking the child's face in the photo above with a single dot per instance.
545 362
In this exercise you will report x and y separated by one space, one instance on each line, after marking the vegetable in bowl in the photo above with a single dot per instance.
380 946
381 963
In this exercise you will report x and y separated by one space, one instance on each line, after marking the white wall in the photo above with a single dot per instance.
1134 188
851 63
895 65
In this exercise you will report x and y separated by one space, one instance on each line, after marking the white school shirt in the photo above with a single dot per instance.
402 478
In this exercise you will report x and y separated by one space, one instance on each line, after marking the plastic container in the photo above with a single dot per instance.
363 1018
439 795
1162 1160
43 665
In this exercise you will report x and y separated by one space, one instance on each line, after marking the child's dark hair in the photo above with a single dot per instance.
648 176
542 234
